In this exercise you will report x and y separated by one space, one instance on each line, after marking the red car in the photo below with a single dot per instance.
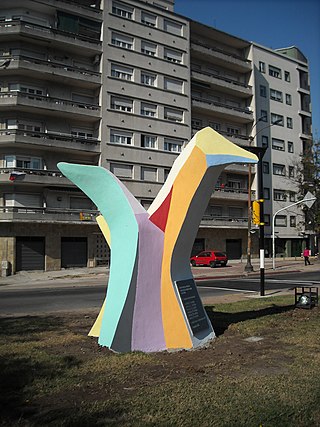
210 258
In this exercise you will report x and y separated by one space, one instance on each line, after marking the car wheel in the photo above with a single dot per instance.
212 264
193 263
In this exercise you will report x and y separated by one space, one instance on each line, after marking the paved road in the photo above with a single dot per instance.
88 293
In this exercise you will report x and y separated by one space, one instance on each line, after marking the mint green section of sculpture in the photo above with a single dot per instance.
104 190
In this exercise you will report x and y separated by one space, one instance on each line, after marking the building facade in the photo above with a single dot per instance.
125 85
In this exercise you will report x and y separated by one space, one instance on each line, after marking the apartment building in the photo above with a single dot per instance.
50 111
283 116
125 84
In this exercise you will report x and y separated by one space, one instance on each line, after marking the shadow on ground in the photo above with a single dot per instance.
222 320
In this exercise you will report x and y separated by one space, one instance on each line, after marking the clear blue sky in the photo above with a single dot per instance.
271 23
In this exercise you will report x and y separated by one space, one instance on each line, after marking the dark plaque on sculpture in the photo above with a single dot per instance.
192 305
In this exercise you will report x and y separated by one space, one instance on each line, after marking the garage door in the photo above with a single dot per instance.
74 252
233 248
30 253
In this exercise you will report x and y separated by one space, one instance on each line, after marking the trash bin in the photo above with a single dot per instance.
5 268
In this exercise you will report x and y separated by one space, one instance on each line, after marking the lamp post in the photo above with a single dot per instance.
306 199
259 151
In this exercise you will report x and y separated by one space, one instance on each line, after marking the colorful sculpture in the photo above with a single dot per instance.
152 303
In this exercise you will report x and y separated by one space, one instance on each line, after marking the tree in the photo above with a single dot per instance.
308 177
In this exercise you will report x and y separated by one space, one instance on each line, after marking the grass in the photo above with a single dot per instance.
52 374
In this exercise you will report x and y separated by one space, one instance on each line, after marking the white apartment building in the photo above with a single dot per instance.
283 126
125 84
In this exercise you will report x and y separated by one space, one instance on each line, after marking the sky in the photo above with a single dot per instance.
271 23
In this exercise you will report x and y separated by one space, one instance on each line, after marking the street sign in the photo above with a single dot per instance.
310 199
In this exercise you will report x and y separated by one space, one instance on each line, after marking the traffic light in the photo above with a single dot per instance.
256 212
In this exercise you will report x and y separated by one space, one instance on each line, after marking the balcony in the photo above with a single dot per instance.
48 141
47 215
53 71
32 176
211 221
227 193
230 112
237 139
31 103
76 43
90 8
230 86
222 57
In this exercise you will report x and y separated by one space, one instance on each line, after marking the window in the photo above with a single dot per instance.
287 76
263 91
85 133
233 131
235 212
279 169
288 99
263 116
30 90
122 10
77 25
173 55
149 141
23 199
173 145
216 126
148 48
148 79
26 125
121 40
121 104
149 110
122 170
148 19
173 85
23 162
266 167
279 195
262 67
148 174
196 123
289 123
291 171
266 219
292 221
120 137
173 27
146 203
264 141
173 115
292 196
274 72
276 95
121 72
280 221
290 147
278 144
266 193
276 119
166 173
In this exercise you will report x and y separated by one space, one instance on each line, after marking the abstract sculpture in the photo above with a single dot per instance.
152 303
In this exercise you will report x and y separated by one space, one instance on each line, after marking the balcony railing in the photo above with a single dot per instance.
225 79
50 136
47 214
216 221
215 49
26 171
245 110
226 189
222 132
48 101
46 31
53 65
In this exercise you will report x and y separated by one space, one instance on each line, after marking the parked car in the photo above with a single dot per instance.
210 258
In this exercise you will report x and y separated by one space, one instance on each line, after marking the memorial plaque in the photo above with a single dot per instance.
192 305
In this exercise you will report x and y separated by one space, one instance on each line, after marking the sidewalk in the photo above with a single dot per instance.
234 269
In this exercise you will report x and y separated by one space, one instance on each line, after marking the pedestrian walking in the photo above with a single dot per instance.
306 254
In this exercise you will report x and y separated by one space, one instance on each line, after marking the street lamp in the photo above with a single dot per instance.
306 199
248 267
